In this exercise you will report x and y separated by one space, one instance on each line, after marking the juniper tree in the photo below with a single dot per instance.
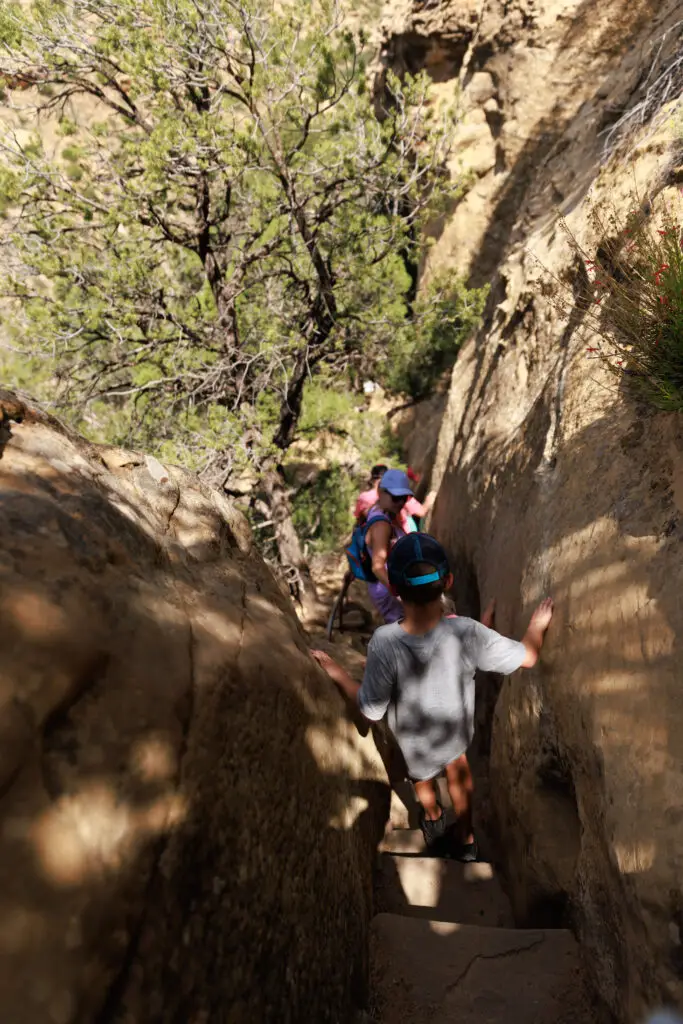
224 217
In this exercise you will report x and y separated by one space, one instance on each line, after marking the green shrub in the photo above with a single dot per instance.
323 509
72 153
67 126
326 408
445 314
631 292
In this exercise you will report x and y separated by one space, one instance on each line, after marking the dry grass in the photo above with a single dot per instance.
662 86
630 292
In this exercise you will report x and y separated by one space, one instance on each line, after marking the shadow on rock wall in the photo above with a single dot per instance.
587 749
188 819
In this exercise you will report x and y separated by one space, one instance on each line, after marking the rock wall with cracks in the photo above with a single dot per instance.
187 815
553 480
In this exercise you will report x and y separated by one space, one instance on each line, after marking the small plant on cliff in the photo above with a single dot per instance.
630 294
428 347
239 219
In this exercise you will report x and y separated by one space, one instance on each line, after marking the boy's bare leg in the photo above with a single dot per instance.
426 794
460 786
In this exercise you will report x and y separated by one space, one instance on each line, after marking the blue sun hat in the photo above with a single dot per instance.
396 482
414 549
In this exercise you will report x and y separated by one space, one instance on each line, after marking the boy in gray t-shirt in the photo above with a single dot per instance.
420 673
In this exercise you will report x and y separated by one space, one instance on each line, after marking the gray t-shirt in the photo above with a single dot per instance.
426 683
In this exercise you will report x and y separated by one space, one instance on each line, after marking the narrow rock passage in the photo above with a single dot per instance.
445 948
444 945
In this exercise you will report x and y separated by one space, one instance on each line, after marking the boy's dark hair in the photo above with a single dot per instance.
377 472
424 594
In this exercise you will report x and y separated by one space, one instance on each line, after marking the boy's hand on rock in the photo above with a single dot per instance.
327 663
542 615
323 659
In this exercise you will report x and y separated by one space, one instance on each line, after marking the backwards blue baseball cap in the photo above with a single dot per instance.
414 549
396 482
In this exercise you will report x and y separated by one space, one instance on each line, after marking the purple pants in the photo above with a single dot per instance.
389 607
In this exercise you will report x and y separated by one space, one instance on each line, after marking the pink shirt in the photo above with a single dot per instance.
365 502
414 508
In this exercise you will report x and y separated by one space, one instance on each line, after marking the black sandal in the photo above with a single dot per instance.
466 853
433 831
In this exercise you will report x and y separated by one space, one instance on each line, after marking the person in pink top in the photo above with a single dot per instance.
366 499
414 509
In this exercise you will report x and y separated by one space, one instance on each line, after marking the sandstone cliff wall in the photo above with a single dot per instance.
552 480
187 815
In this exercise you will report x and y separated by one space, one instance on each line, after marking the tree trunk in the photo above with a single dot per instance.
290 408
292 559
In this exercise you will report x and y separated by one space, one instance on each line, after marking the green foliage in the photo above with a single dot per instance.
631 293
392 453
72 153
24 370
219 254
10 189
74 172
215 237
67 127
446 313
326 408
10 25
323 509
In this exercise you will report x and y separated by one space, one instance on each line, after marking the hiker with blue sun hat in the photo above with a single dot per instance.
420 674
379 534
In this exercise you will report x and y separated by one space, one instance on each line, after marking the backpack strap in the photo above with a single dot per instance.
375 515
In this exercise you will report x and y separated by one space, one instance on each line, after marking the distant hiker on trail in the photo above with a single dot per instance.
414 510
420 672
411 510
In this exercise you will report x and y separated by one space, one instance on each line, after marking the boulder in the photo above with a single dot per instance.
187 816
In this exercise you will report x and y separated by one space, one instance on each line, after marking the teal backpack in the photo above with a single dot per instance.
357 554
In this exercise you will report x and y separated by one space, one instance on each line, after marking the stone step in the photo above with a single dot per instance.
435 889
434 972
404 842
